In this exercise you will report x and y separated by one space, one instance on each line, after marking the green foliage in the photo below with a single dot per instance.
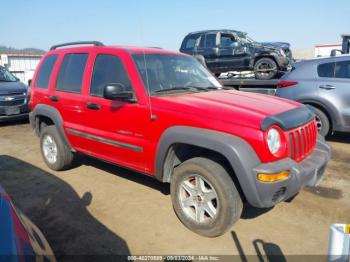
11 50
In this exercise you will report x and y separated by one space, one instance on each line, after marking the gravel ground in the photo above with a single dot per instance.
97 208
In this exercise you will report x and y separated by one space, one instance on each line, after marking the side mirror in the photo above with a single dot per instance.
236 44
334 52
29 82
117 92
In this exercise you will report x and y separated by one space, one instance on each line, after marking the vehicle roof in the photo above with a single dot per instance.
326 59
216 31
129 49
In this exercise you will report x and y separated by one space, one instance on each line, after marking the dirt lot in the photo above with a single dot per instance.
98 208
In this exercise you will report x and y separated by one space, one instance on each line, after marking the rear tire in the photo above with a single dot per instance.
205 197
323 123
56 154
265 63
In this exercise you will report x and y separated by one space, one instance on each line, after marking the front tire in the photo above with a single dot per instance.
205 197
55 153
265 68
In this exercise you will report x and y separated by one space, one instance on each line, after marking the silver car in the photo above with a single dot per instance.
324 85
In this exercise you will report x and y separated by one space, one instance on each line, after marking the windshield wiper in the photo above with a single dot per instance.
228 88
190 88
206 88
175 88
4 80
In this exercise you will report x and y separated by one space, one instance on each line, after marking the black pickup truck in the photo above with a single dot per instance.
229 50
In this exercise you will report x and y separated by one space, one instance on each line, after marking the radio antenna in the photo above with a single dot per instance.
152 117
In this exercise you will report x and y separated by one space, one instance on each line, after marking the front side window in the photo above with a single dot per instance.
70 76
6 76
161 72
227 40
342 69
326 70
108 69
43 78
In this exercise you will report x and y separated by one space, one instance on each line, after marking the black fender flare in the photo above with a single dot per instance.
51 113
238 152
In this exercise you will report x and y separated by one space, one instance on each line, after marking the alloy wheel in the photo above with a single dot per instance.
198 199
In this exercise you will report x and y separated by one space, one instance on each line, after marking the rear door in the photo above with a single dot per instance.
114 130
208 47
334 86
66 95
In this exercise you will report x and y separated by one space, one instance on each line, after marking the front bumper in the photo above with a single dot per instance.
23 113
283 63
309 172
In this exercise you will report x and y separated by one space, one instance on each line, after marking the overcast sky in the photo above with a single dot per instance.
164 23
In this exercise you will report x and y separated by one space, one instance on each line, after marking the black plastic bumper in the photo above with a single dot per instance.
309 172
283 62
5 118
23 113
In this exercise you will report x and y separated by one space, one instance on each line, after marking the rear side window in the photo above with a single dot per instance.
71 73
43 78
342 69
210 40
326 70
108 69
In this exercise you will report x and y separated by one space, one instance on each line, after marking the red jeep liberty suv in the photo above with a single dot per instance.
163 114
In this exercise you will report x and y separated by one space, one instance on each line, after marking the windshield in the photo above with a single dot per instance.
173 72
6 76
245 38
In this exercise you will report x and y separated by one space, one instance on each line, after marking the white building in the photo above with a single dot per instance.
325 50
21 65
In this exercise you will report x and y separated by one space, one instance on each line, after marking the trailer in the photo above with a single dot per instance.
251 84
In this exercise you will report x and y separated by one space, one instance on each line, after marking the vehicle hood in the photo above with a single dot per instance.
277 45
12 87
237 107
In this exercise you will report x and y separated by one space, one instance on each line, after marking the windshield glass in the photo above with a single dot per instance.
245 38
6 76
166 72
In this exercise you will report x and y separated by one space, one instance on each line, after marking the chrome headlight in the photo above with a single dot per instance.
274 140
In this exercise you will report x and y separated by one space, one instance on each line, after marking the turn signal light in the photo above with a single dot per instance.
273 177
347 229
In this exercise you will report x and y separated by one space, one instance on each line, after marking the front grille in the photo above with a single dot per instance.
12 93
302 141
16 102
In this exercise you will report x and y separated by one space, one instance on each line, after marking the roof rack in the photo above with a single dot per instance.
95 43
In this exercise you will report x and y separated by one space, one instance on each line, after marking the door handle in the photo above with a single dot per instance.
327 87
54 98
93 106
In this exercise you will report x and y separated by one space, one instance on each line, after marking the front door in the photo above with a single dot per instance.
232 53
114 129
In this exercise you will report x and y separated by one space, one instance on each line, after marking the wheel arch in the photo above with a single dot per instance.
330 113
48 115
237 154
260 56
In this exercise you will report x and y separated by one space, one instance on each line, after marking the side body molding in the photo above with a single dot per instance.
53 114
239 153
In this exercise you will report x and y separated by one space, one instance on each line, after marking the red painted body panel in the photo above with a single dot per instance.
231 112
